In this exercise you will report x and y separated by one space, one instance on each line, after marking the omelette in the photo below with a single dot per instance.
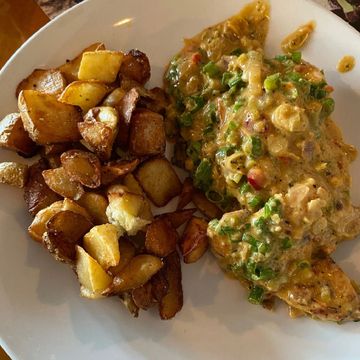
256 135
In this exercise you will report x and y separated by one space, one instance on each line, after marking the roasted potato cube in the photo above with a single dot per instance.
147 134
48 120
85 94
209 209
83 167
154 100
101 65
114 98
125 209
161 237
143 297
99 130
132 184
96 205
55 149
37 194
160 285
159 180
14 137
138 272
186 194
38 226
101 242
113 170
91 275
194 241
13 173
127 104
88 294
50 82
71 68
127 252
58 181
136 66
179 217
172 302
64 230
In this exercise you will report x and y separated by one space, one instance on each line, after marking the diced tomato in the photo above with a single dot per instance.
329 88
256 178
196 58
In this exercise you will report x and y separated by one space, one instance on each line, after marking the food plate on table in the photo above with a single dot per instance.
44 316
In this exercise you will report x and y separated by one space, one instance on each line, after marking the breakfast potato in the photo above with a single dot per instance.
96 205
132 184
58 181
127 252
37 194
143 297
179 217
147 133
99 130
128 104
14 137
64 230
46 119
85 94
136 66
114 98
127 300
50 82
186 194
209 209
101 242
194 241
12 173
159 180
90 274
55 149
138 272
101 65
71 68
155 100
113 170
88 294
161 237
83 167
38 225
172 302
159 285
126 209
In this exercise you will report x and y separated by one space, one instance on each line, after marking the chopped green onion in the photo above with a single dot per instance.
261 224
272 82
281 58
304 264
263 274
203 175
296 57
226 230
214 196
328 106
256 149
213 223
236 52
238 104
185 120
272 206
236 80
256 295
193 151
211 69
225 151
286 243
247 227
250 240
293 76
255 201
317 90
198 102
226 77
263 248
245 188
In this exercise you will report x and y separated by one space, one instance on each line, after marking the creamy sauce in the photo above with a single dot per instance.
296 40
346 64
256 135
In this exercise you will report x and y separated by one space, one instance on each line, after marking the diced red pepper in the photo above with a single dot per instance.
196 58
256 178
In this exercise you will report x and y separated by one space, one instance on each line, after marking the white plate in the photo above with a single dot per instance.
42 314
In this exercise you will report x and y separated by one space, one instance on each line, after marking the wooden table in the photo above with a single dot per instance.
13 32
